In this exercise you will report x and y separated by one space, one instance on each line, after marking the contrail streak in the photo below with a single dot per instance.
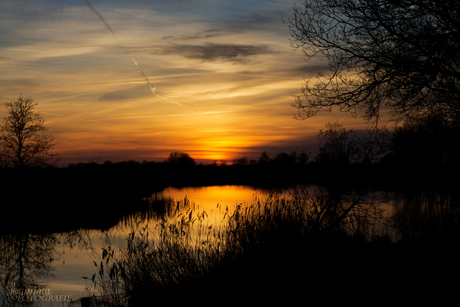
152 88
65 97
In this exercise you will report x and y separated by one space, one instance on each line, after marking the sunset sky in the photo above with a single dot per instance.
224 74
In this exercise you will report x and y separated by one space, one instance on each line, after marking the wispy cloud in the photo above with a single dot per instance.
218 52
230 61
196 35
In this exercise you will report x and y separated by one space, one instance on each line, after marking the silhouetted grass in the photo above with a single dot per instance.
278 248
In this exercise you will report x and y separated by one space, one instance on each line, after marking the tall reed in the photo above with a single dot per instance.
184 253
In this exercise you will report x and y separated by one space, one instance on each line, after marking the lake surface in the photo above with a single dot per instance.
65 262
73 253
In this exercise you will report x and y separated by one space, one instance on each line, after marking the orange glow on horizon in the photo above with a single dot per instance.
213 157
234 93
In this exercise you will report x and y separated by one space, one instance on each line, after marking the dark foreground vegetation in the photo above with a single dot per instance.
328 243
315 244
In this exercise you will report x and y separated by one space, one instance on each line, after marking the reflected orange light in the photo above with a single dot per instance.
207 198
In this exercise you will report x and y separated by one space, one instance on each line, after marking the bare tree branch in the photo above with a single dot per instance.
398 55
23 140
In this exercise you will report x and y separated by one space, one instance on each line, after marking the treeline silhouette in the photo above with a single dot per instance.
419 150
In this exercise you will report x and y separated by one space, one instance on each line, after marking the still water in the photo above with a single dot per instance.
64 263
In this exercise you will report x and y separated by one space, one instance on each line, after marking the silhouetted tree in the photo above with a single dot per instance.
372 148
341 146
336 144
241 161
108 163
23 140
129 164
303 158
264 158
281 158
286 159
180 159
293 157
432 140
398 55
219 163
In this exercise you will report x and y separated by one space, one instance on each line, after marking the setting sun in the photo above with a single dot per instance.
222 91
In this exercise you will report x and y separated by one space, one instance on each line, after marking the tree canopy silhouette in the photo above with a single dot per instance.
264 158
180 159
400 55
341 146
429 141
336 144
241 161
24 141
